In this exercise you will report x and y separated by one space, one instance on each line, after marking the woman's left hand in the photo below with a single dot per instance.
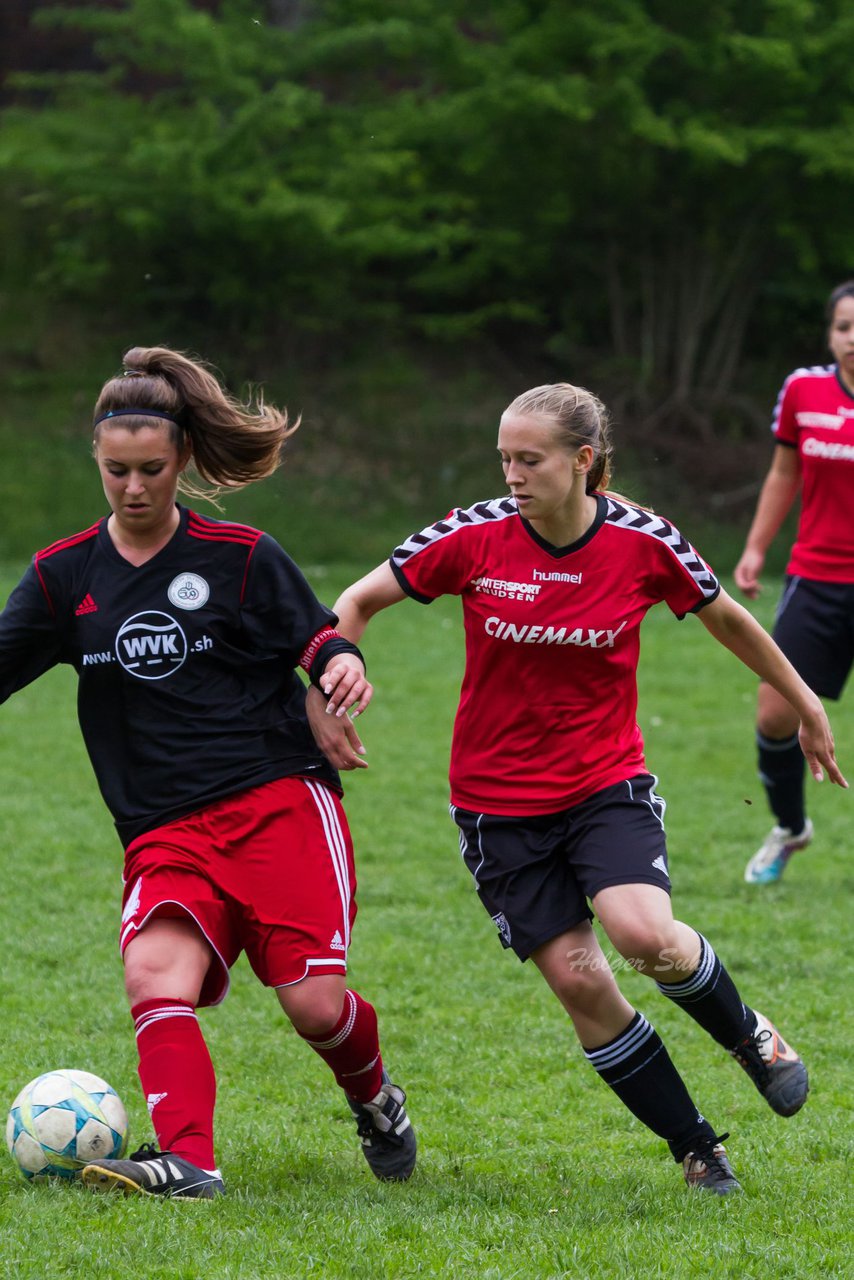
816 739
346 687
736 629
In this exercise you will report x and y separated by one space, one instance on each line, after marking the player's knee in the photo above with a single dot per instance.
156 972
580 988
643 945
150 977
777 728
312 1013
314 1023
775 718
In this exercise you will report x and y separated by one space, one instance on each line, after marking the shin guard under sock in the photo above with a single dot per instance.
710 996
636 1065
177 1078
781 769
352 1049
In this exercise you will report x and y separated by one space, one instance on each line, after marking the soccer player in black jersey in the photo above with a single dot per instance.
186 633
549 788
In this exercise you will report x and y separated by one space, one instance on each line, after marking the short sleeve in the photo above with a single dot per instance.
784 426
30 643
683 579
440 560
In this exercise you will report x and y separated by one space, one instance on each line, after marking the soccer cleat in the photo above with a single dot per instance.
774 1067
388 1139
708 1169
150 1172
769 862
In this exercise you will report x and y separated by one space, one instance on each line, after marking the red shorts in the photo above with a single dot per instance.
268 871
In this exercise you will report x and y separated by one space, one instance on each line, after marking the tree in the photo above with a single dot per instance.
621 178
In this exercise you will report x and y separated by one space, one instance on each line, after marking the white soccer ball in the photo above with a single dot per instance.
63 1120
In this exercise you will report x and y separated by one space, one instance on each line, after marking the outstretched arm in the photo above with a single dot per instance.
358 604
775 499
739 632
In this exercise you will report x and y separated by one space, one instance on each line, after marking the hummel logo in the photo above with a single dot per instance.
337 944
660 864
86 605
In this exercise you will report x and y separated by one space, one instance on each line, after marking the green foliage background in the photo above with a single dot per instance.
396 215
399 213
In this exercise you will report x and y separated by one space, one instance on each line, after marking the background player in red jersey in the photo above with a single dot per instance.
185 633
549 787
813 426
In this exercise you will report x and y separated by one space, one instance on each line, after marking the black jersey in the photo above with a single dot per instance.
188 688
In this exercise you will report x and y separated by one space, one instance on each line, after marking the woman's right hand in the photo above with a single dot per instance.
336 736
747 572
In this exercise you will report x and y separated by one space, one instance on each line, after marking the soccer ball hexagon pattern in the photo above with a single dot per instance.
63 1120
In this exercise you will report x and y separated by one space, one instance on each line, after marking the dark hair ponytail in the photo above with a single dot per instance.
231 444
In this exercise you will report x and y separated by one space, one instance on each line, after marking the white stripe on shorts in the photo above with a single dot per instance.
337 848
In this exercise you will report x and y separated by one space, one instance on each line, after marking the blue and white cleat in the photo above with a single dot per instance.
769 862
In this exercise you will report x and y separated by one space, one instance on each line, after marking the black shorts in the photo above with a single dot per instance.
534 875
815 629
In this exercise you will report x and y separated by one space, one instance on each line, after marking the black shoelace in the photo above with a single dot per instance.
147 1151
748 1056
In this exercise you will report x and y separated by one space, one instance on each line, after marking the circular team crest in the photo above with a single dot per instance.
188 591
151 645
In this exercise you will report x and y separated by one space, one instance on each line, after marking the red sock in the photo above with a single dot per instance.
177 1078
352 1049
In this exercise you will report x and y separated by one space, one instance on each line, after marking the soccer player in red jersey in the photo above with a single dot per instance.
186 633
549 788
813 427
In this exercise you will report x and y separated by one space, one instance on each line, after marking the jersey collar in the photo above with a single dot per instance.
557 553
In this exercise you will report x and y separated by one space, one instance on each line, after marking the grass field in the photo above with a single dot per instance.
528 1166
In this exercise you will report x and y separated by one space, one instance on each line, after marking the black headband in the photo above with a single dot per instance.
138 413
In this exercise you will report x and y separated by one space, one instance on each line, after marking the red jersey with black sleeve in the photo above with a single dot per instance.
815 415
548 706
187 687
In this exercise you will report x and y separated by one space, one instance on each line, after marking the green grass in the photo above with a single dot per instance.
528 1166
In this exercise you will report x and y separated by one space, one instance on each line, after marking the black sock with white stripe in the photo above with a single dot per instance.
638 1068
781 769
710 996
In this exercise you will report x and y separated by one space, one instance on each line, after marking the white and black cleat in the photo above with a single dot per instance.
388 1139
150 1172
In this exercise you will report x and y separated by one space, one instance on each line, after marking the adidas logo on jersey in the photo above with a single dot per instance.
86 605
337 943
